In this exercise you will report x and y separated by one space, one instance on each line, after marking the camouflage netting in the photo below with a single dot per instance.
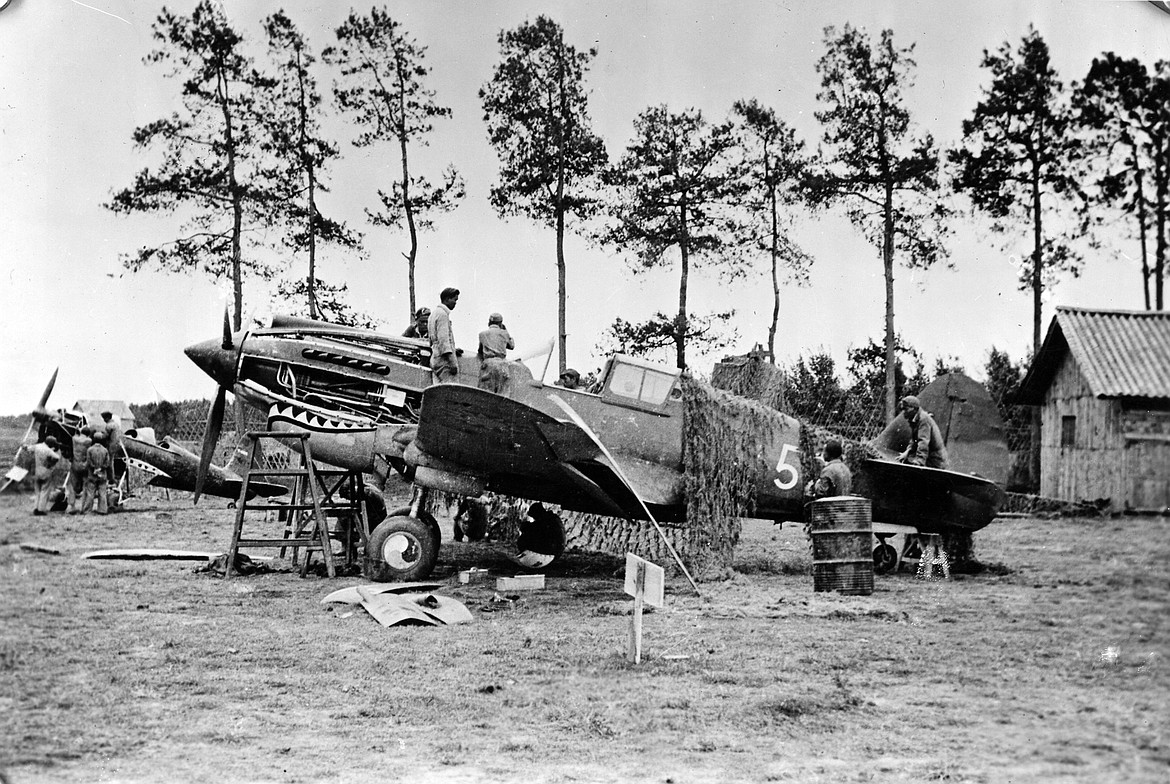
751 378
723 439
723 436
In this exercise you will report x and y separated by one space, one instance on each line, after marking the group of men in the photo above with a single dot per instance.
434 326
926 448
91 467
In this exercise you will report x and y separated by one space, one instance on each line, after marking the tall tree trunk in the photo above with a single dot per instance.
562 290
775 273
311 176
888 266
237 227
680 327
1139 176
237 204
1161 174
314 310
408 208
562 283
1037 289
407 205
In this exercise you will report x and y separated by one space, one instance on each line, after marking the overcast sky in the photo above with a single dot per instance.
73 87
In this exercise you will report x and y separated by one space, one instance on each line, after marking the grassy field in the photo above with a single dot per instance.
1051 665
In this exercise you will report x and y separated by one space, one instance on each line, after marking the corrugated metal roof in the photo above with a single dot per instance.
94 408
1122 353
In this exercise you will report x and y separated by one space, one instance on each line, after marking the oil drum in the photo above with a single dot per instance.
841 528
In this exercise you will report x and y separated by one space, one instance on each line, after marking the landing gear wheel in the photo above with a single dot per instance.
402 549
542 539
885 558
433 524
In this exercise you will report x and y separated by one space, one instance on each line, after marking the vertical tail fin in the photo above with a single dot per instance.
240 462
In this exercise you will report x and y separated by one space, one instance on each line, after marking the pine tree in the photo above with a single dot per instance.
213 170
382 90
673 191
535 107
873 164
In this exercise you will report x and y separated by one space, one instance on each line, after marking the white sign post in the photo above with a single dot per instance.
644 581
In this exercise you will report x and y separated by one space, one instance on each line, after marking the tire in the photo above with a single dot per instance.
402 549
433 524
426 517
885 558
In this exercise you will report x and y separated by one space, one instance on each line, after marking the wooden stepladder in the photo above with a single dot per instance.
314 499
342 496
933 557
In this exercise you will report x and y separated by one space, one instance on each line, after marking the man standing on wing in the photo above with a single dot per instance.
439 332
494 343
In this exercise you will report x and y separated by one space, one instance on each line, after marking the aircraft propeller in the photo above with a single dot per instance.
214 418
16 473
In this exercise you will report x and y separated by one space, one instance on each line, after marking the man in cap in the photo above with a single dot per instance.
836 478
97 460
926 442
570 379
45 459
419 328
494 343
442 337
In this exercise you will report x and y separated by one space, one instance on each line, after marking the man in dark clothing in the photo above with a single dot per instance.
97 460
926 442
419 328
836 478
570 379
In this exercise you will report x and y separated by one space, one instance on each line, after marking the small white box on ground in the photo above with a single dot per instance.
523 582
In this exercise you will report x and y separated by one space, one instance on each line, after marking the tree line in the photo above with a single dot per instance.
1054 168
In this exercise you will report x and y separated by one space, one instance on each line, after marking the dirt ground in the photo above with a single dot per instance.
1050 665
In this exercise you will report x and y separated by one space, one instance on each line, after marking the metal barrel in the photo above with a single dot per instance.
841 528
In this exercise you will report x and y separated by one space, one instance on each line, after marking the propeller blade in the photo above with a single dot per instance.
539 351
227 332
39 411
48 390
210 439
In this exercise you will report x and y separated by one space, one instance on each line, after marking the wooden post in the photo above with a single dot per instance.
635 649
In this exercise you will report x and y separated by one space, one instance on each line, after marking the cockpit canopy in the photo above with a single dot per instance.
630 381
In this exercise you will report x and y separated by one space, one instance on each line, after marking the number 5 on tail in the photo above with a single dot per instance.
783 467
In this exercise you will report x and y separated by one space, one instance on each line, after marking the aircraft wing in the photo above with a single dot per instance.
524 452
175 467
931 499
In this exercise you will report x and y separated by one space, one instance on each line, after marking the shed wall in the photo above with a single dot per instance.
1147 453
1094 465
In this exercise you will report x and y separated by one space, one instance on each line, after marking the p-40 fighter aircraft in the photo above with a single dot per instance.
615 452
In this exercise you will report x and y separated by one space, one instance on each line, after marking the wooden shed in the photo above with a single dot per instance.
93 411
1102 378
